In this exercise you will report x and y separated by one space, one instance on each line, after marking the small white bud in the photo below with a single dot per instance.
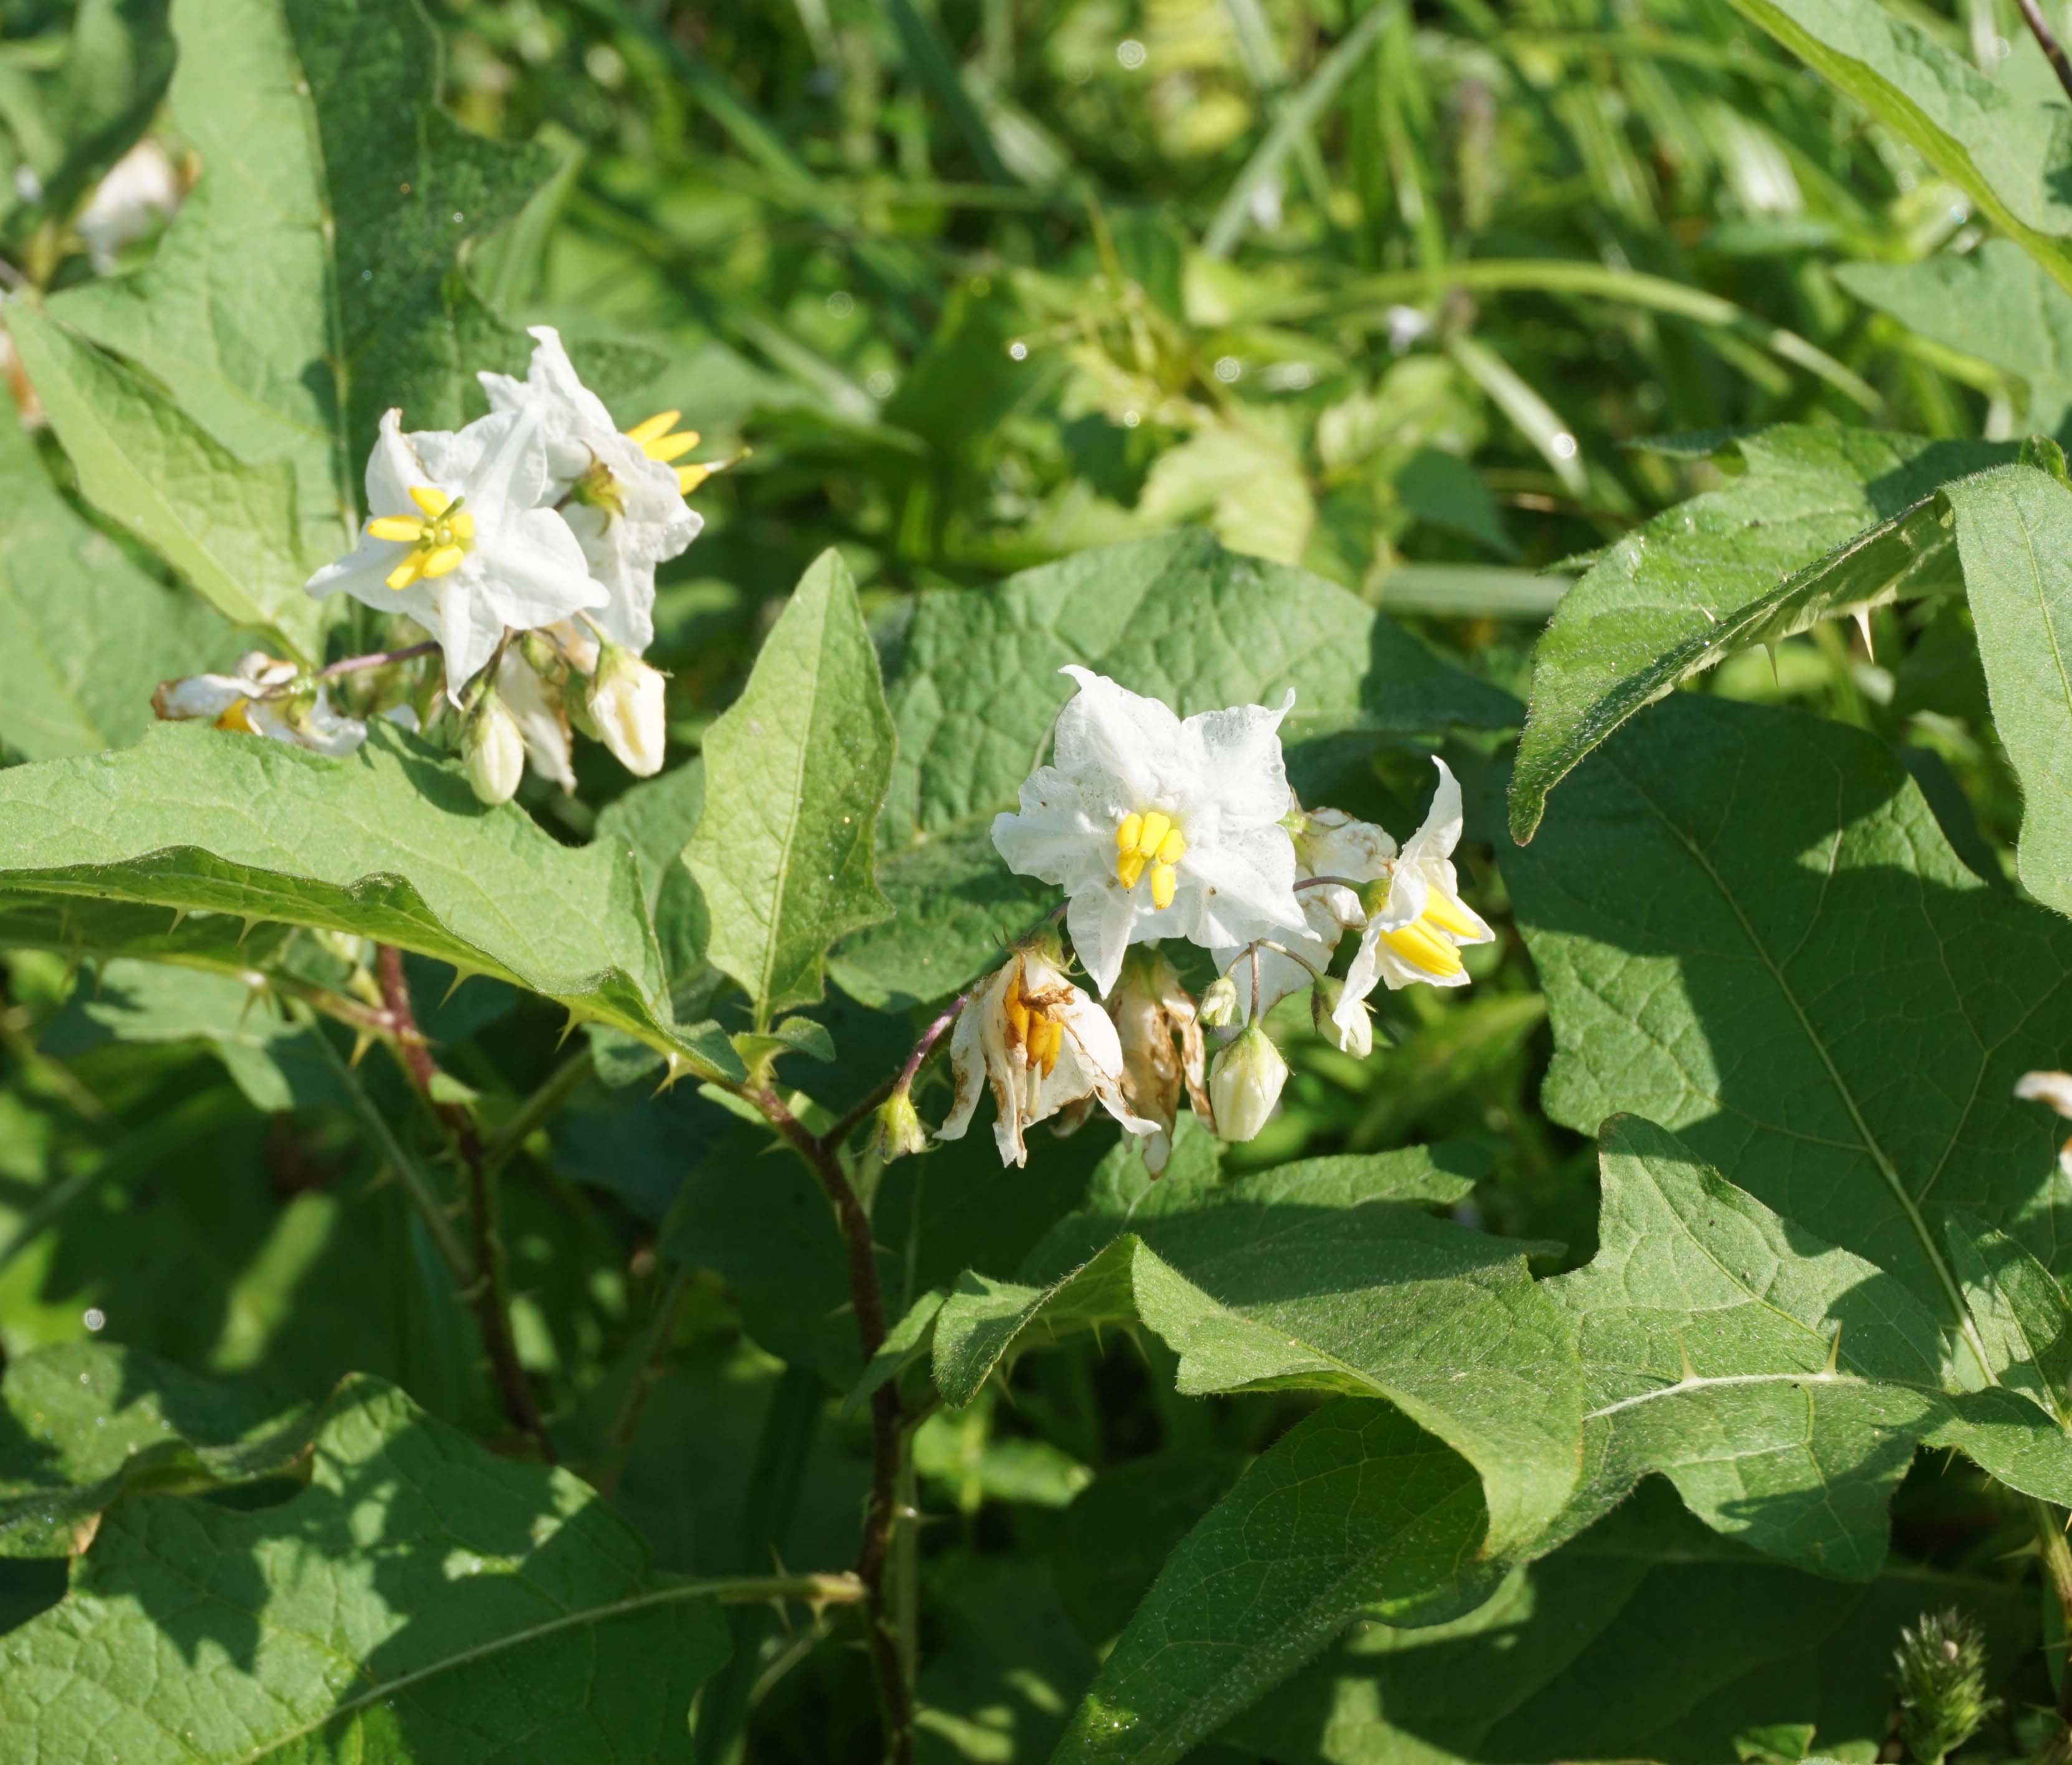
1245 1084
1218 1005
494 749
625 701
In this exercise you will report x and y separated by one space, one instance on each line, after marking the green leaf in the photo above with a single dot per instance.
1647 1638
2012 526
1356 1509
87 634
421 1600
1321 1275
975 689
795 773
228 527
1787 858
656 818
387 843
327 163
1994 303
2006 151
1821 520
84 1425
2024 1321
1782 1385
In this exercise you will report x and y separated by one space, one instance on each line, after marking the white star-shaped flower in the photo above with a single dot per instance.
456 539
265 697
1421 930
1158 827
620 496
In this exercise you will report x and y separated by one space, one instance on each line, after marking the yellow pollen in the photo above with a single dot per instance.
401 528
1129 867
649 428
1149 840
1423 949
434 503
1153 832
1126 831
1448 916
671 447
1163 879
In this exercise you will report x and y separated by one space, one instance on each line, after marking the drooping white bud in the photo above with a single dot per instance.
1245 1084
493 747
626 704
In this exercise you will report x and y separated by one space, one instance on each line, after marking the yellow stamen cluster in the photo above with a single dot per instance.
439 536
660 439
1150 838
236 715
1423 944
1031 1027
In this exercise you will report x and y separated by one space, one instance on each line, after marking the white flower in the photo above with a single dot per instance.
624 502
493 749
455 538
535 705
1418 933
1157 828
1245 1084
2054 1089
142 188
265 697
627 705
1041 1043
1329 843
1161 1034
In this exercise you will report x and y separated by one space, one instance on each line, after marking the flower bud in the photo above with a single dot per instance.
625 701
899 1129
1218 1004
1942 1673
1245 1084
1352 1030
493 747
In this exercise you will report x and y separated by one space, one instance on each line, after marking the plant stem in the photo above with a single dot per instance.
838 1587
888 1655
2055 1550
377 658
859 1112
486 1289
560 1085
619 1437
2054 51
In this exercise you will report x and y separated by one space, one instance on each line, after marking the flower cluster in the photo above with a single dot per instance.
1157 828
525 543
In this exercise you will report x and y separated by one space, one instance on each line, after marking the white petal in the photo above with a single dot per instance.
1102 921
1053 838
531 570
362 573
1107 729
1240 882
391 469
540 719
1334 844
967 1069
468 630
205 696
2054 1089
1240 753
1441 830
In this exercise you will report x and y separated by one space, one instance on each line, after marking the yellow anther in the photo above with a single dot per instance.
1448 916
671 447
1128 867
1126 831
407 572
403 529
649 428
1163 879
441 559
1152 835
1172 848
1423 949
1047 1041
462 527
1017 1015
690 478
233 716
434 503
